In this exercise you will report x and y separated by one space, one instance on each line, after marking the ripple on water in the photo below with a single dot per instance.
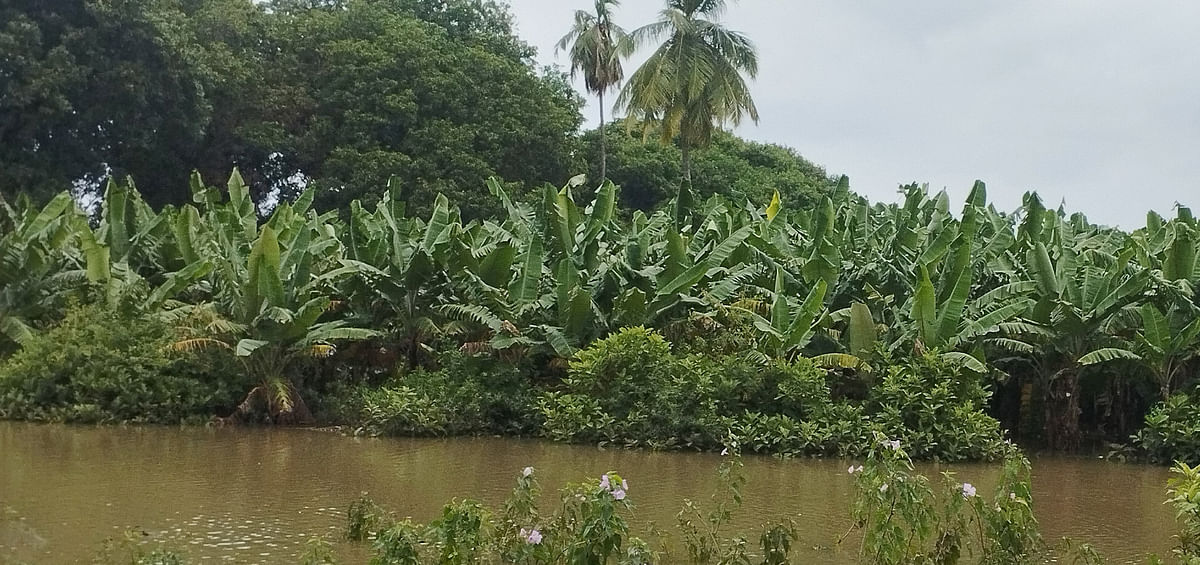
202 487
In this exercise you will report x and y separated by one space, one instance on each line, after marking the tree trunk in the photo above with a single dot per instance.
687 162
603 143
1062 410
299 414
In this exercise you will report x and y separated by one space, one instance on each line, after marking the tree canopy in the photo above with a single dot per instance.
341 95
648 171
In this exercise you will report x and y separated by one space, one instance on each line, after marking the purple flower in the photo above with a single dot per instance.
619 494
968 490
894 444
534 537
604 482
528 471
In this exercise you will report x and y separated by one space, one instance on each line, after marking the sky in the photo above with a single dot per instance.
1091 102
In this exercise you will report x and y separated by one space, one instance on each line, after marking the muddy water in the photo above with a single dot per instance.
256 495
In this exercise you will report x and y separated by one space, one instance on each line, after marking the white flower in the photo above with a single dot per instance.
968 490
725 452
852 470
883 488
528 471
534 537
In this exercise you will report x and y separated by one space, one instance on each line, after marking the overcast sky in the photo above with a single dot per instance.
1092 101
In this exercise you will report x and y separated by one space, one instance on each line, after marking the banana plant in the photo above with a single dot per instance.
1085 281
276 308
127 257
955 314
790 325
32 256
1166 344
404 267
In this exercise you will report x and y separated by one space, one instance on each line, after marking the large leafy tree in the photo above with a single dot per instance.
337 95
695 80
89 88
596 46
397 96
736 168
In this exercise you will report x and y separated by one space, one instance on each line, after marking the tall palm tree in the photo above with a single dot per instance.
597 46
693 82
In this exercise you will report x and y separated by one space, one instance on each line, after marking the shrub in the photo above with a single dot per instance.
630 389
466 395
458 533
1183 493
575 418
796 389
838 430
624 371
937 410
101 366
1172 431
589 527
903 521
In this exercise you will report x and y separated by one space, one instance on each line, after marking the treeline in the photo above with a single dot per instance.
890 318
337 96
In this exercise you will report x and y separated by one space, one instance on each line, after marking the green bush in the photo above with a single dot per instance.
101 366
1183 492
625 371
575 418
903 520
796 389
837 430
631 390
936 409
1172 431
466 395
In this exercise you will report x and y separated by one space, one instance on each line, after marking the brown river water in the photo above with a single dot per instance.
255 495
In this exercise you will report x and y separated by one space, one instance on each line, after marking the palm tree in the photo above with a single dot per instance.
596 46
693 82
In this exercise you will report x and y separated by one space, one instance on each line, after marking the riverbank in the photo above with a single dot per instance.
77 485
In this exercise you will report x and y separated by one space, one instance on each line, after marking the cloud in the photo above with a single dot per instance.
1096 102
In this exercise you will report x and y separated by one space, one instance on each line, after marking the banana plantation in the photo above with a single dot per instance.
1071 332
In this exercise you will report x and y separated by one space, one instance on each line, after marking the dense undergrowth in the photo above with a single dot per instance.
632 390
101 366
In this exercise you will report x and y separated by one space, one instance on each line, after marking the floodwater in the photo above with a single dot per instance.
256 495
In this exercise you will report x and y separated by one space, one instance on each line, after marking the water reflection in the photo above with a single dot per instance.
256 495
